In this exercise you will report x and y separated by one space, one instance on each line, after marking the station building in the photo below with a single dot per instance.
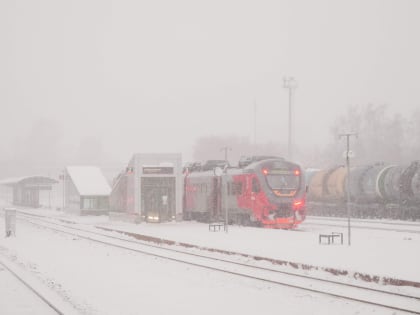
86 190
150 188
26 189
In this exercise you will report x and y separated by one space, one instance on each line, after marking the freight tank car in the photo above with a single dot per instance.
375 190
269 193
410 184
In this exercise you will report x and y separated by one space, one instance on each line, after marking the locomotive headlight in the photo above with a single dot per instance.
152 218
298 204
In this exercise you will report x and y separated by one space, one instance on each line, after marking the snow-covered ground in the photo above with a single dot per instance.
96 279
15 298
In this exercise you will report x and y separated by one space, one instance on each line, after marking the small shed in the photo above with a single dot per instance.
26 189
86 190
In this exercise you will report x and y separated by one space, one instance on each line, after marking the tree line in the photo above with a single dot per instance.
381 137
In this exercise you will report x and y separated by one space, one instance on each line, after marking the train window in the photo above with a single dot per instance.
283 181
255 186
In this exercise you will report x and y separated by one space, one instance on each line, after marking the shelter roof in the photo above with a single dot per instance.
36 180
89 180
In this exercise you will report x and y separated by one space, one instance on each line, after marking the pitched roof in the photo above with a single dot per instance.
89 180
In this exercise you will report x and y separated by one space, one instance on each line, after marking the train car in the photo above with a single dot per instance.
310 173
327 184
376 190
315 185
335 183
387 187
370 183
410 184
355 187
269 193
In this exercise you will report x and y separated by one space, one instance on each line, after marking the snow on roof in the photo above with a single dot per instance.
37 179
11 181
162 164
89 180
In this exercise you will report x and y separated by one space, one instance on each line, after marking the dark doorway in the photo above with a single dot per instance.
158 198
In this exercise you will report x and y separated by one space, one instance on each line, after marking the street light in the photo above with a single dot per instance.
222 174
226 149
348 154
290 84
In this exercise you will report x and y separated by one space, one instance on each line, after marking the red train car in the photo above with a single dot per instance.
269 193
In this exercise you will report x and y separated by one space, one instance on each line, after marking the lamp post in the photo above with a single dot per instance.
348 154
222 175
255 126
226 149
290 84
225 186
226 199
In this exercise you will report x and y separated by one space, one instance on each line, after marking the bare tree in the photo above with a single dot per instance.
413 136
381 137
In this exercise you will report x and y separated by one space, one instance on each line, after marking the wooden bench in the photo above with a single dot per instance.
215 226
331 237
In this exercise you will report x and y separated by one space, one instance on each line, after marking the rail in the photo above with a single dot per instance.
324 286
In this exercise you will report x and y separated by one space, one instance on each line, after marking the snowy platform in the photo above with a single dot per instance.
77 269
381 253
372 252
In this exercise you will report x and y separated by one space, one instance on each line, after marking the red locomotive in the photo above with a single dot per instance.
269 193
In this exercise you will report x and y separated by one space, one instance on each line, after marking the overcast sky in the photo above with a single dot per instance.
153 76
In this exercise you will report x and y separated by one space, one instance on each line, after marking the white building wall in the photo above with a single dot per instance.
143 159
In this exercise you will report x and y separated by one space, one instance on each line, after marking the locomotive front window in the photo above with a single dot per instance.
278 181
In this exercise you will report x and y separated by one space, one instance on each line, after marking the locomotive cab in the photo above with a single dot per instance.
285 187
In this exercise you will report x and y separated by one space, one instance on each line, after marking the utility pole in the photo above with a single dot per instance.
226 149
348 154
226 193
255 125
290 84
224 188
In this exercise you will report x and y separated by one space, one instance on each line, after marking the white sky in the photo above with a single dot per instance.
152 76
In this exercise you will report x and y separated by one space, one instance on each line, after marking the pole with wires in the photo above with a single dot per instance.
348 154
290 84
226 149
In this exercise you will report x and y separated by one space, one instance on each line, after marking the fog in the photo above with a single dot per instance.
96 81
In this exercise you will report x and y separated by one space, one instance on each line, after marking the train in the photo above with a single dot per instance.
268 192
376 190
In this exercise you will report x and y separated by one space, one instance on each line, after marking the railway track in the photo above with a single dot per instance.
35 289
364 224
373 296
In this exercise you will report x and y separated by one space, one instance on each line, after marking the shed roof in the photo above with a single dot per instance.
36 181
89 180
